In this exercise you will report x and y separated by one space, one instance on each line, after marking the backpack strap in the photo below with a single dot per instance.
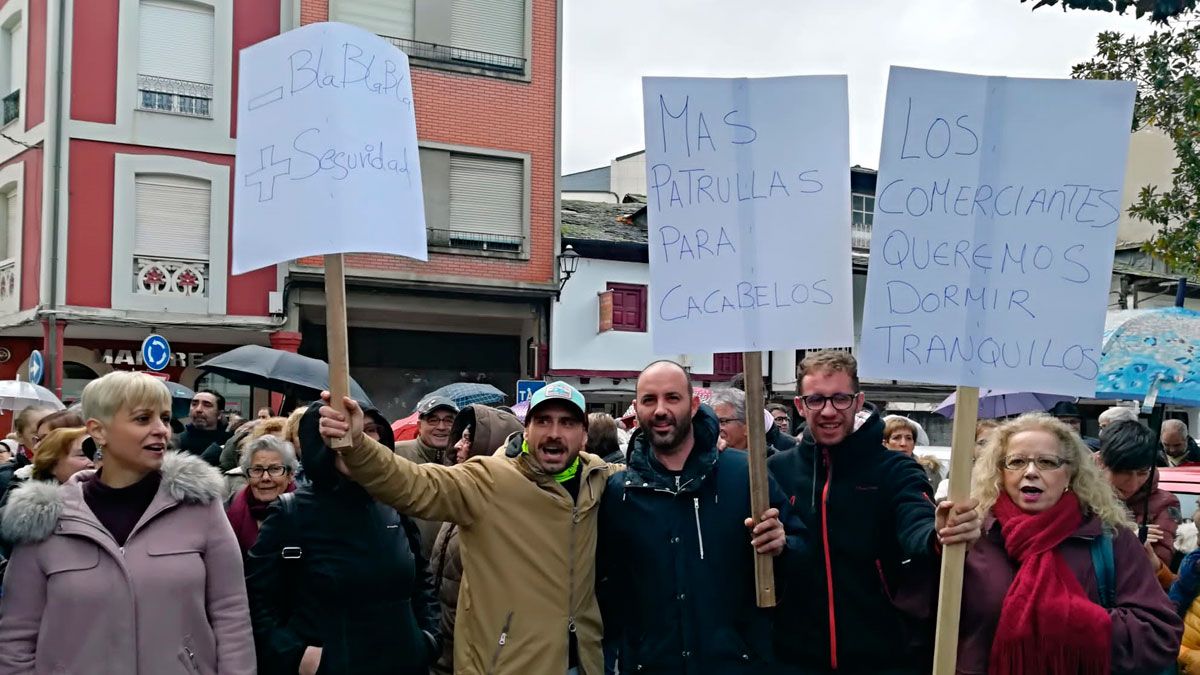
1105 569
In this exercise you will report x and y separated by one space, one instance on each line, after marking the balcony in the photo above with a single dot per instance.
473 241
165 95
9 302
12 107
458 56
170 277
860 236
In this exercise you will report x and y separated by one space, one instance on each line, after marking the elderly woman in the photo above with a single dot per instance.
1059 581
900 434
26 424
132 569
270 464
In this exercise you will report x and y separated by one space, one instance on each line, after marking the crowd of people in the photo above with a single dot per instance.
565 542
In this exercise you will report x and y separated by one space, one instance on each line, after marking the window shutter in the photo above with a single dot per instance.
172 215
487 196
175 41
12 224
496 26
15 60
393 18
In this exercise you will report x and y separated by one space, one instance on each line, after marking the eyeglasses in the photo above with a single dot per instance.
839 401
729 420
274 471
1043 463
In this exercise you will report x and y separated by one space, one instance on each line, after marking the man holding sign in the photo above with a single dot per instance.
876 529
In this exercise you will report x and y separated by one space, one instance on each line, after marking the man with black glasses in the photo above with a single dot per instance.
866 606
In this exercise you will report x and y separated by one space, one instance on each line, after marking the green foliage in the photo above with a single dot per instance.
1159 10
1166 68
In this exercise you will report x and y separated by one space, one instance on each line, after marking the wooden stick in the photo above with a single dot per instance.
337 342
962 453
764 572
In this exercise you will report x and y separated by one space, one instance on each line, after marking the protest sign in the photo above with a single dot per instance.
327 158
748 199
995 222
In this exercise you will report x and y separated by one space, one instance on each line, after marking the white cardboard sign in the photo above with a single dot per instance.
327 158
996 216
748 197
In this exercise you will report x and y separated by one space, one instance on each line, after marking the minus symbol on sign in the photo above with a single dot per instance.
268 98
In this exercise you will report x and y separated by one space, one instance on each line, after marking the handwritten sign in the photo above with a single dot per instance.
327 158
749 213
996 216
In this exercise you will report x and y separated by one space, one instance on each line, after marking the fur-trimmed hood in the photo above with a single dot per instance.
34 507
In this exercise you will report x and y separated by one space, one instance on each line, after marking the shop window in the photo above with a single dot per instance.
238 397
729 363
75 378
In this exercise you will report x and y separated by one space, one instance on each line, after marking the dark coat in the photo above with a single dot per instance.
1192 456
871 515
359 589
677 572
196 441
1146 630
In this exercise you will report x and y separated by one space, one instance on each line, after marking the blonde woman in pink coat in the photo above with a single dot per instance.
131 570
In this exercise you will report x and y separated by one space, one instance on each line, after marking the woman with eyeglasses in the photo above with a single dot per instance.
1058 583
269 463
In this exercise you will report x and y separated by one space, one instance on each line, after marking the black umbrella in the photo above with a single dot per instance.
277 370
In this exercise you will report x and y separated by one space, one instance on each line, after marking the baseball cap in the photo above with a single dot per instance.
558 391
431 403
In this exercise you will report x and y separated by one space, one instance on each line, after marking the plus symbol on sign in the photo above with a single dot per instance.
269 169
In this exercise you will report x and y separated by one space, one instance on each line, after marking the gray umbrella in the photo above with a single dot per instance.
277 370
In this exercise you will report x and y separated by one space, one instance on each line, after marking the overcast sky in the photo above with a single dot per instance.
608 45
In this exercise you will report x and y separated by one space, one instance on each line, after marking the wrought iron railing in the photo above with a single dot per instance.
163 94
474 58
12 106
475 241
170 276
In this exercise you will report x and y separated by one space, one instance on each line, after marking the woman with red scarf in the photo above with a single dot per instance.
1034 601
270 464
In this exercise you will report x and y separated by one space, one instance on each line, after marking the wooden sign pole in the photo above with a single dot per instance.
336 338
962 452
764 572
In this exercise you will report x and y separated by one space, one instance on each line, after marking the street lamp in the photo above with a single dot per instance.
568 262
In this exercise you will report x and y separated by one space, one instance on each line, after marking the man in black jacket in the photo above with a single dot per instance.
860 607
204 428
674 562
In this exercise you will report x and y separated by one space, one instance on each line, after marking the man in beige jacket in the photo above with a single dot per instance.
435 418
528 529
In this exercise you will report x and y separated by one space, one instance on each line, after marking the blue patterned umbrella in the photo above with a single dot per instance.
466 393
1142 346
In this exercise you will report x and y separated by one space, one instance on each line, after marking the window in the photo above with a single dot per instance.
628 307
12 223
862 217
175 58
171 240
491 26
390 18
487 204
12 71
728 363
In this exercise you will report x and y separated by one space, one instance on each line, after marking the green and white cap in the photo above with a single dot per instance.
559 391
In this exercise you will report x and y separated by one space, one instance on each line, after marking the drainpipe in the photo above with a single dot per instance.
1181 292
54 138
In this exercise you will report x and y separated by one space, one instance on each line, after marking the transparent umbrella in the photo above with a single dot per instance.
17 395
1147 349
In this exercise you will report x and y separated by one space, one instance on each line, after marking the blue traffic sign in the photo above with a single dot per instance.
156 352
37 367
526 388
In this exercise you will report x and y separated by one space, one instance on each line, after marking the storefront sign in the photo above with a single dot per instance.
133 357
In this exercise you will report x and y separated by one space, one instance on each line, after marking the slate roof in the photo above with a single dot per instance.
597 221
592 180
